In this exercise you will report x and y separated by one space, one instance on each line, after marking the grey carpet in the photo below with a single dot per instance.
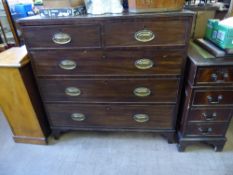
110 153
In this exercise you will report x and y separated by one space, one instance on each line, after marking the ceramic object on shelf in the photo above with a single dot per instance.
98 7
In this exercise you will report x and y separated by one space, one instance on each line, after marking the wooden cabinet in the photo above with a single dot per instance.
207 100
112 72
20 99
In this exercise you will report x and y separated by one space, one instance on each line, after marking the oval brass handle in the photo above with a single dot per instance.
144 63
78 117
144 35
67 64
209 117
142 92
72 91
205 130
210 99
141 118
214 77
61 38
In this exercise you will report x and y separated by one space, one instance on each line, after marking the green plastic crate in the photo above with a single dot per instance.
211 28
224 38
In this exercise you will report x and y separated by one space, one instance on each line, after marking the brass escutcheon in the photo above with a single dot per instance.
141 118
78 117
61 38
67 64
144 35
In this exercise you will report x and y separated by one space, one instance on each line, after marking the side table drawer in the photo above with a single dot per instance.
200 129
111 116
210 115
213 97
214 76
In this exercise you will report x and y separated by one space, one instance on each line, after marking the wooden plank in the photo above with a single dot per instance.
14 57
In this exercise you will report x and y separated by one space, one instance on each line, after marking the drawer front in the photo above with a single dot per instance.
210 115
157 32
111 116
213 97
149 90
215 75
200 129
60 36
99 63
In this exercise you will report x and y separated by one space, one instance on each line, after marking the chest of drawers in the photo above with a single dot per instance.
208 100
112 72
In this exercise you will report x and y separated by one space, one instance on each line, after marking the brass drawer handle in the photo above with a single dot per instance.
141 118
209 117
67 64
142 92
61 38
217 101
214 77
144 35
221 76
78 117
205 131
72 91
144 63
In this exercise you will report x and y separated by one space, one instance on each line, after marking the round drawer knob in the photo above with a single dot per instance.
205 131
141 118
78 117
144 35
142 92
67 64
61 38
72 91
214 77
144 63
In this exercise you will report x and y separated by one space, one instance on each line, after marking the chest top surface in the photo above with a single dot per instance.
38 20
201 57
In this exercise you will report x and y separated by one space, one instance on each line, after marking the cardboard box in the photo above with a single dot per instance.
62 3
56 3
155 5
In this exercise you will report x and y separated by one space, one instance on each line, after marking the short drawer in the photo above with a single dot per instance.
111 116
213 97
59 36
216 129
214 76
145 32
135 90
112 63
210 115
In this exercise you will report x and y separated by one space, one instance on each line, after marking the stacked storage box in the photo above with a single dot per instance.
220 32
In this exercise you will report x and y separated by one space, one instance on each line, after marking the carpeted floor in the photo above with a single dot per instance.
108 153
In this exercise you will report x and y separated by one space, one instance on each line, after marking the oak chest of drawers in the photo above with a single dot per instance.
112 72
208 99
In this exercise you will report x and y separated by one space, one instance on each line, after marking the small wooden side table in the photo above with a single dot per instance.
19 98
207 99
